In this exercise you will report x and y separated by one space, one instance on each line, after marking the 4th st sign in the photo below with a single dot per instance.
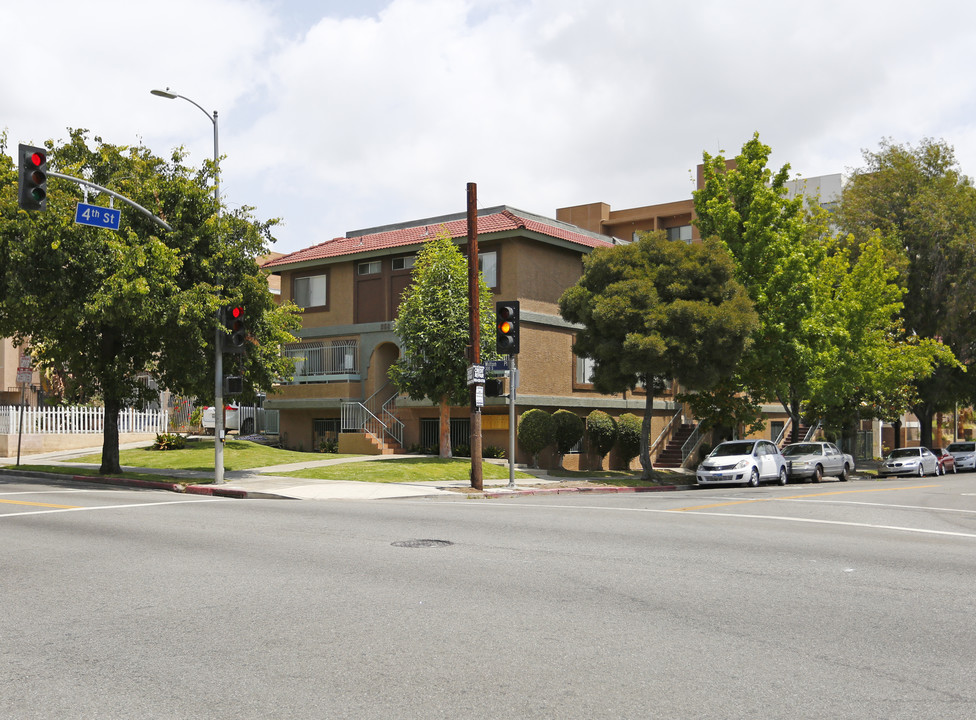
108 218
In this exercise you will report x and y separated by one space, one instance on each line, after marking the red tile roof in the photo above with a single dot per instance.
504 220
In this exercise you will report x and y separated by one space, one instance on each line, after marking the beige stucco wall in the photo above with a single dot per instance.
36 444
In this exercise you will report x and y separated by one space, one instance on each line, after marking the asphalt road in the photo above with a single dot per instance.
849 600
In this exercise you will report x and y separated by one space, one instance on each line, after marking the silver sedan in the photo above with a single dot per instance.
909 461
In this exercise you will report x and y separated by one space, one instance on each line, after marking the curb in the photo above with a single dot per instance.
494 494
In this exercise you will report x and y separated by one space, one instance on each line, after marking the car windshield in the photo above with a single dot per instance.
734 448
905 452
962 447
803 449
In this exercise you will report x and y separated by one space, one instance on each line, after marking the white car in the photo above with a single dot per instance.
918 461
964 453
813 460
743 461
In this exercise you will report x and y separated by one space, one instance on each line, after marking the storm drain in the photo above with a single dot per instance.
425 543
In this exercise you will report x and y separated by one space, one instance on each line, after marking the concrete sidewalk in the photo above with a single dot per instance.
265 482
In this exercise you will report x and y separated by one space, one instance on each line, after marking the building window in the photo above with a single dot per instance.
373 267
584 370
488 265
404 263
682 233
310 291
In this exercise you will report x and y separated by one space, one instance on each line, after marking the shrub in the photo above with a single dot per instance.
330 445
169 441
461 451
535 432
568 429
602 432
628 437
493 452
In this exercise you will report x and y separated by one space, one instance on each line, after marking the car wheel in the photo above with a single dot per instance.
782 476
753 478
845 473
921 470
817 474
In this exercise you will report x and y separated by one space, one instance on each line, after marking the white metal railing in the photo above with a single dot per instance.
812 431
373 417
691 443
316 362
666 432
782 433
78 420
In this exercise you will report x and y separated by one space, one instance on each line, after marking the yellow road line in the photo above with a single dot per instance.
798 497
37 504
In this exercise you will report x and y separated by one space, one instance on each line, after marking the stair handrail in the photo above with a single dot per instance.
691 443
666 431
782 433
812 431
395 429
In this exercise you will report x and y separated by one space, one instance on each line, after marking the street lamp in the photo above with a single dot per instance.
218 342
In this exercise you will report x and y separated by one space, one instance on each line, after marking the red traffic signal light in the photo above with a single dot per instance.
233 317
32 175
507 327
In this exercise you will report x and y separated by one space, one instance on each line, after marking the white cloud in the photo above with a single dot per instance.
342 115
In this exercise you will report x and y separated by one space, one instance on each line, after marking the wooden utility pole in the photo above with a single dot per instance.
474 314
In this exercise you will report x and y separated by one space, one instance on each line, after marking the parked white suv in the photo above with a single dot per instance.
743 461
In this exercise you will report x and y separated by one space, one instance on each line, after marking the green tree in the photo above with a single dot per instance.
866 365
628 438
433 325
535 432
777 253
103 309
602 432
568 429
653 309
925 211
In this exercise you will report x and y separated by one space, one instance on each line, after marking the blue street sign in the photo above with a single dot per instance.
96 216
496 366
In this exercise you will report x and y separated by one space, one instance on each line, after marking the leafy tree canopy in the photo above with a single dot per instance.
102 307
655 308
433 324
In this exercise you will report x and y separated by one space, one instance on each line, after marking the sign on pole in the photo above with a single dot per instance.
25 371
98 216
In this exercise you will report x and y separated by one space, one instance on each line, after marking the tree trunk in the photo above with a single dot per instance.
925 416
645 437
110 440
445 428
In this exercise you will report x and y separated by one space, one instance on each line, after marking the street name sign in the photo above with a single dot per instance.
96 216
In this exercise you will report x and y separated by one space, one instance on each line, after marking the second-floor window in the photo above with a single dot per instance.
488 265
404 263
310 291
373 267
682 233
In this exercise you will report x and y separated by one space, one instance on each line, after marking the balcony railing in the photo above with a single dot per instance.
316 362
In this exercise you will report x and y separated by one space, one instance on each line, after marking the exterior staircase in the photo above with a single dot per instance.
804 431
670 457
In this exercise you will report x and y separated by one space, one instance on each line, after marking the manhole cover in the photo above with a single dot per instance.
422 543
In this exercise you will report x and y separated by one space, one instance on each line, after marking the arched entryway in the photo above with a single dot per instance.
384 355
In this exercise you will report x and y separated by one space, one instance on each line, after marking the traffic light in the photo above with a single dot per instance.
507 326
494 387
32 174
233 385
237 335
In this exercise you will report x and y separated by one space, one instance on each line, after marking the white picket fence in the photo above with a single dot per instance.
78 420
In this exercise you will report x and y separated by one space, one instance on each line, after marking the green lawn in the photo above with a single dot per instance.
199 455
409 470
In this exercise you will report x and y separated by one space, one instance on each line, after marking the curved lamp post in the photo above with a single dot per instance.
218 344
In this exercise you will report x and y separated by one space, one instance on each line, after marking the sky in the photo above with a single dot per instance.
338 115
